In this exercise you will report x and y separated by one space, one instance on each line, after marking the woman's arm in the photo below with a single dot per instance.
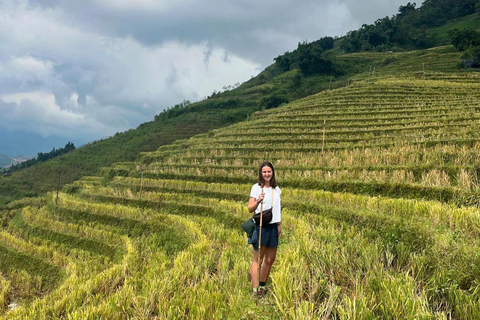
253 203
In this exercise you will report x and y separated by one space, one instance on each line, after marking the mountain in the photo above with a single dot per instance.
6 161
16 142
377 160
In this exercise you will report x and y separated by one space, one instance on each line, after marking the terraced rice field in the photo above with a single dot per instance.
436 63
379 218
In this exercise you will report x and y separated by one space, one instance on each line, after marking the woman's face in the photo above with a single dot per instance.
267 173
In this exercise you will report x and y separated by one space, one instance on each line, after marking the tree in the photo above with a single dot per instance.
405 10
273 101
375 38
325 43
352 42
284 62
41 157
311 59
464 39
69 146
468 42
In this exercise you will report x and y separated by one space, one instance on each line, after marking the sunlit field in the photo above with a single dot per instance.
380 191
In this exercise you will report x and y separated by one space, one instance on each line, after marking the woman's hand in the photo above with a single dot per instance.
261 197
253 203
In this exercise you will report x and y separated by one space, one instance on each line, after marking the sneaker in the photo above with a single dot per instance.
261 292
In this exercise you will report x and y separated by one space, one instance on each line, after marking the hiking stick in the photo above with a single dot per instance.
259 243
323 140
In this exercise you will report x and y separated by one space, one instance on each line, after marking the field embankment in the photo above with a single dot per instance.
380 187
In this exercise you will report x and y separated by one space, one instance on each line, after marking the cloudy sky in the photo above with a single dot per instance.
84 70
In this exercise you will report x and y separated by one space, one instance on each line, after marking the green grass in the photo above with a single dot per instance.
441 33
69 241
13 262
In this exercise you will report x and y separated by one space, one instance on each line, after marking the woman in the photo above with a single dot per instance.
263 191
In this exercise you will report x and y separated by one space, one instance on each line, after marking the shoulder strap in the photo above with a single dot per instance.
273 198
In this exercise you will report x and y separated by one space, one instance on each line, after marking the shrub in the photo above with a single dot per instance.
273 101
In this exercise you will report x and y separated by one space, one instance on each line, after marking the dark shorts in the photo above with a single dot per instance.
269 236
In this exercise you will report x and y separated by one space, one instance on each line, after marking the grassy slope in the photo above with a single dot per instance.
171 233
440 34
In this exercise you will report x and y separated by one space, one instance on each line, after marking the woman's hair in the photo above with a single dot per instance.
261 181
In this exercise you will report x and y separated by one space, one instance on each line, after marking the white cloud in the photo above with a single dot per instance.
72 74
28 67
42 98
138 75
142 5
38 112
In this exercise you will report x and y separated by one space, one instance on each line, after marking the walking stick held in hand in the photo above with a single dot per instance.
259 243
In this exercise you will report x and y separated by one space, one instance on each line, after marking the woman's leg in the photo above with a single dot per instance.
254 269
269 254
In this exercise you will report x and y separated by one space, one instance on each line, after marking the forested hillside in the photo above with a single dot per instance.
410 27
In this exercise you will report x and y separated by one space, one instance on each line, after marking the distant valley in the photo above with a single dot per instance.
6 161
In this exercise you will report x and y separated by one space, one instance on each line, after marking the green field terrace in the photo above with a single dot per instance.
380 188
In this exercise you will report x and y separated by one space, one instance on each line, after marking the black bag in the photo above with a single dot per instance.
267 217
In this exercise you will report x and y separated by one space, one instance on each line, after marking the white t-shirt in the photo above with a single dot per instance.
267 201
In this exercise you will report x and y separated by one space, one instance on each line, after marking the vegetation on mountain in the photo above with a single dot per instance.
408 28
468 42
310 58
